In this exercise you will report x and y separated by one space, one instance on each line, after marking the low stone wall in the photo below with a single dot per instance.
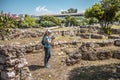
86 32
115 31
37 46
89 51
13 65
24 34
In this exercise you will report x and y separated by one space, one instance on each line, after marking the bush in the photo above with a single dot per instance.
107 30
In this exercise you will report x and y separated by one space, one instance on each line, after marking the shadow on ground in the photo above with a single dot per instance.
35 67
104 72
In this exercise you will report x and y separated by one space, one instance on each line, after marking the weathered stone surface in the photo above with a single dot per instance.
97 36
29 49
12 61
73 58
104 43
118 69
2 59
114 37
116 54
89 56
6 75
117 43
104 55
85 36
115 31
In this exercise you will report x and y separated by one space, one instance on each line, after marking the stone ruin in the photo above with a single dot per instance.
118 71
89 51
13 65
93 32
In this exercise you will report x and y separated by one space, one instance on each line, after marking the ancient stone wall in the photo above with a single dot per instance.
93 51
13 65
93 32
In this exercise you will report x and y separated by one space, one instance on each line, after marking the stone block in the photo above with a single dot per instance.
2 59
6 75
117 43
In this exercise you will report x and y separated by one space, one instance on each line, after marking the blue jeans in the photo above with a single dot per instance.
47 56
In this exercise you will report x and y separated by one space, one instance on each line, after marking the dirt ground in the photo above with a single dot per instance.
84 70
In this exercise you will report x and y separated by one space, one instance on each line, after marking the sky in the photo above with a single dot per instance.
40 7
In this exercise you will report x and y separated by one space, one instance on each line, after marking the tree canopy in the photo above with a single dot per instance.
105 11
70 10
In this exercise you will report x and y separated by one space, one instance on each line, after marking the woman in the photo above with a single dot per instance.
47 45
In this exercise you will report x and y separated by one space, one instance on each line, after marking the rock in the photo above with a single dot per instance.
114 37
6 75
29 49
115 31
73 58
85 36
118 69
12 63
97 36
89 56
104 55
117 43
116 54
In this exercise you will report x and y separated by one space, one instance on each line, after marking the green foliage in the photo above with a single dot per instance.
48 21
6 21
107 30
105 12
71 21
92 20
28 22
70 10
117 16
95 11
84 21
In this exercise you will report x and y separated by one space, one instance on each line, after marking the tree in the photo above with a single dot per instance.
95 12
105 12
70 10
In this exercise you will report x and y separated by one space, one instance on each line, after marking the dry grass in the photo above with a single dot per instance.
64 28
116 27
84 70
59 38
20 41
